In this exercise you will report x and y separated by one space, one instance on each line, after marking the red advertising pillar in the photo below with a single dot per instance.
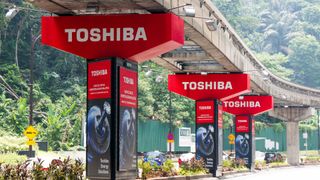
112 118
208 91
244 140
209 133
245 108
112 100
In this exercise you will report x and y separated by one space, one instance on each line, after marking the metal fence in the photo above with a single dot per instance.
152 135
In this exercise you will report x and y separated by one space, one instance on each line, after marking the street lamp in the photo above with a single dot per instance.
318 112
9 15
159 78
12 12
34 39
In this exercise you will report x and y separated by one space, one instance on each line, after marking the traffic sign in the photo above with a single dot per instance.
170 138
231 142
170 141
30 132
31 142
231 137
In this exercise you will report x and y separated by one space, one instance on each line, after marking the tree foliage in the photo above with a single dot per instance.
284 34
59 81
156 102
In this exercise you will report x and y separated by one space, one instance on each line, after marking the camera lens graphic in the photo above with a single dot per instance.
242 145
205 141
98 130
127 138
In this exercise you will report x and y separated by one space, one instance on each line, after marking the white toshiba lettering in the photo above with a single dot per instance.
242 104
204 107
99 72
106 34
207 85
69 32
82 35
128 80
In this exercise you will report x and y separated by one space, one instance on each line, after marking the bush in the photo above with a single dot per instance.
235 164
278 164
145 167
259 165
239 164
168 168
12 144
227 165
66 169
312 159
193 167
12 158
150 171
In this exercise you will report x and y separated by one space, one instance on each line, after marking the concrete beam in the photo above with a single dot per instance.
293 114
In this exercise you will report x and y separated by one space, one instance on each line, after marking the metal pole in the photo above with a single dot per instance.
231 145
31 63
170 121
318 112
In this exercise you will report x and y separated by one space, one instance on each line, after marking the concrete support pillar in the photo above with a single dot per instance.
293 115
293 143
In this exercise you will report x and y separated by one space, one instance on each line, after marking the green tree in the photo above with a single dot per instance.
304 60
155 99
145 97
59 81
275 63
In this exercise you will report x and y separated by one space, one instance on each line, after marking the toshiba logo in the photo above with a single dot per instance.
204 107
106 34
128 80
242 121
242 104
99 72
208 85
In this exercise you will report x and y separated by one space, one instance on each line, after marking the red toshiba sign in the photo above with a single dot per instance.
99 79
211 86
242 123
204 112
128 88
248 105
137 37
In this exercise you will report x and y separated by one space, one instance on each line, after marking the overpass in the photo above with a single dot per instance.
219 50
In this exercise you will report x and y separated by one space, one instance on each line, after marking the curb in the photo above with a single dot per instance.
234 174
184 177
227 174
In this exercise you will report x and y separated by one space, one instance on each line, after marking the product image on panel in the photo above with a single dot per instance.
98 138
128 101
98 130
242 145
127 136
205 140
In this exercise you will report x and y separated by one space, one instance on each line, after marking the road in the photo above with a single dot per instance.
288 173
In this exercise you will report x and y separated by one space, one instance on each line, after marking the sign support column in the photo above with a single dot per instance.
208 91
112 117
244 108
209 135
244 140
219 137
112 82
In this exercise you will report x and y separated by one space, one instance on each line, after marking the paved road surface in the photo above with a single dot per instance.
289 173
